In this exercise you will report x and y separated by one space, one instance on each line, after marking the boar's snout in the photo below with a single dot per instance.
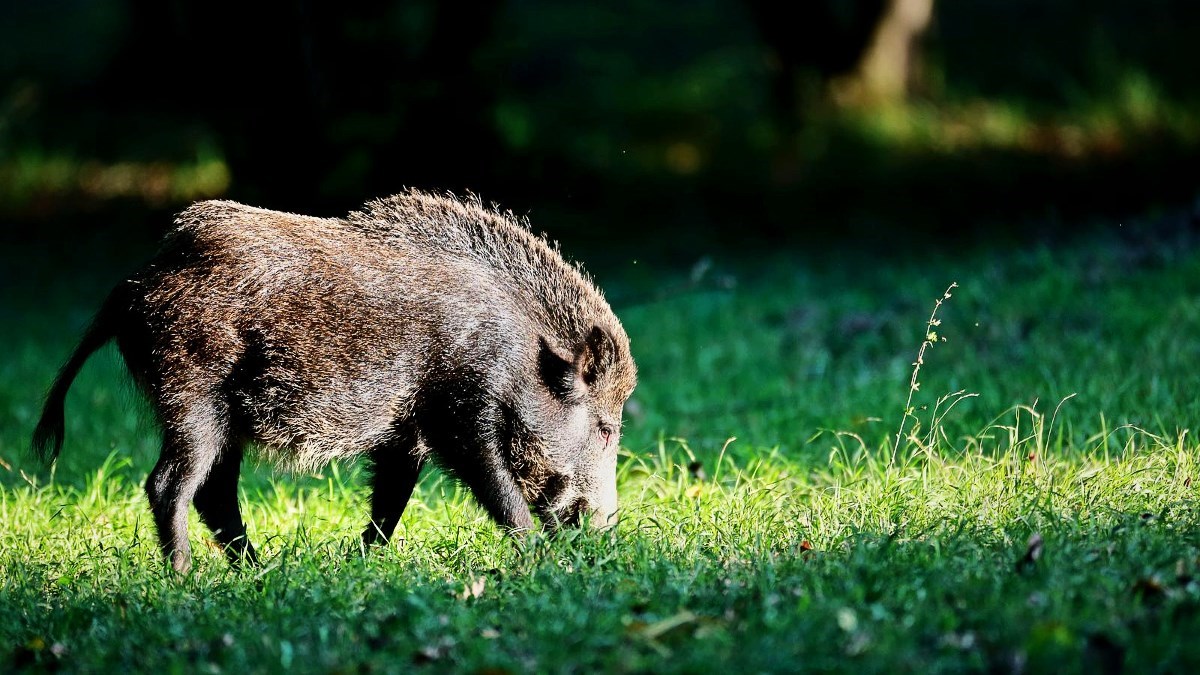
596 508
580 512
603 514
604 519
601 506
598 504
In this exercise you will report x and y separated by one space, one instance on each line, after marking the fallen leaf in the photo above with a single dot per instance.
473 588
1149 588
1033 551
651 633
434 652
659 628
427 654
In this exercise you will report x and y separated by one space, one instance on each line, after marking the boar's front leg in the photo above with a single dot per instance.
465 434
217 503
497 491
395 468
487 475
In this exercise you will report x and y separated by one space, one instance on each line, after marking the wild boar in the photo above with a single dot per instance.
419 327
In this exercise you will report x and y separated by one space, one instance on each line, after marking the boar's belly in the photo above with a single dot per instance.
305 419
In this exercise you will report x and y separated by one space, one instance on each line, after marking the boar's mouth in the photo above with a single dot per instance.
568 516
550 507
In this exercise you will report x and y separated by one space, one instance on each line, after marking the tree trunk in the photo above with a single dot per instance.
885 71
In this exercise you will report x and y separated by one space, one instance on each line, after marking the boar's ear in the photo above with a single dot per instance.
568 377
560 374
598 354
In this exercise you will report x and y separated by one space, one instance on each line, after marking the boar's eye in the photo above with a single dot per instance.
606 432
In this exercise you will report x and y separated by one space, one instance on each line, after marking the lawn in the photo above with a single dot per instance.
1038 513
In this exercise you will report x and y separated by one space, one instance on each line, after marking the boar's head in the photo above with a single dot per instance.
578 425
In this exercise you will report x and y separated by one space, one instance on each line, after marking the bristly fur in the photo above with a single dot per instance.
417 325
529 264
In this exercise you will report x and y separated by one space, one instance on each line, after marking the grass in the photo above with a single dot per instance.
31 178
1047 523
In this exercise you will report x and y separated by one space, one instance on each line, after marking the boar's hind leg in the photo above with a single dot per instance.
395 469
217 503
192 442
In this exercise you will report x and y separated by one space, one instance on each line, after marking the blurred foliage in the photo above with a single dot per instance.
624 112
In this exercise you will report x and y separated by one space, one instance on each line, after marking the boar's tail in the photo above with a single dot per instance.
48 436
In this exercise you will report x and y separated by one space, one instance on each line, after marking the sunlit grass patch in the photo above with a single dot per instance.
30 177
852 564
1096 127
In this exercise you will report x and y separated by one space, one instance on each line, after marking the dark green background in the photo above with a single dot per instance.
601 120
